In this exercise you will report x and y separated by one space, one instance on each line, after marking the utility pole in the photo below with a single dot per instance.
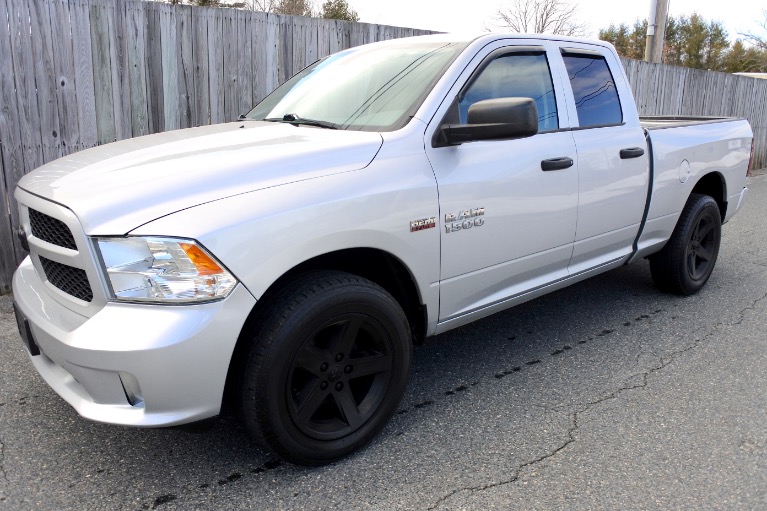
656 30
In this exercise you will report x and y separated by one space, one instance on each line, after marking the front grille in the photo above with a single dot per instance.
51 230
71 280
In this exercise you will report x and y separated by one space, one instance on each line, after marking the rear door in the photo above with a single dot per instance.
612 157
507 225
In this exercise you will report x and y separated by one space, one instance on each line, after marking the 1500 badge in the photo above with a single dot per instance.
465 219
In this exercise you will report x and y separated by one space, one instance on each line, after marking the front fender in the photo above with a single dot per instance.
259 236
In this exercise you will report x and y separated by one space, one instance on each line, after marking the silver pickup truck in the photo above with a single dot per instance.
287 262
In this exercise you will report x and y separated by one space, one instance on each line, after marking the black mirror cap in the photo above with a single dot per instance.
493 119
504 110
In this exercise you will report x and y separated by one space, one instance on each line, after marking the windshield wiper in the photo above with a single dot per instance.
295 120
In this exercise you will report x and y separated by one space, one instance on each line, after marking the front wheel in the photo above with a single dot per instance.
686 262
328 366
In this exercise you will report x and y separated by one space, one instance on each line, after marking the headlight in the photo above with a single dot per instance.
164 270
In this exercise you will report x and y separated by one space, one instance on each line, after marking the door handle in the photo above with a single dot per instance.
631 152
556 163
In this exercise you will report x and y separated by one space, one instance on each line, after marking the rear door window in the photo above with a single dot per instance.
596 99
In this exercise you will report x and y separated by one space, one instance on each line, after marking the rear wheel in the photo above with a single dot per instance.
328 367
686 262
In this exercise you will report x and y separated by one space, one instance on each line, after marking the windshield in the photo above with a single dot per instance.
370 88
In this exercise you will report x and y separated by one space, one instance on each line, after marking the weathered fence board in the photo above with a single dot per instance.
45 78
266 73
77 73
7 239
216 64
201 97
26 94
137 69
11 152
84 81
12 148
231 44
285 51
118 51
185 36
170 56
26 98
64 74
299 35
102 74
245 28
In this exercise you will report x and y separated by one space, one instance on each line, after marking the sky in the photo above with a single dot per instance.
737 16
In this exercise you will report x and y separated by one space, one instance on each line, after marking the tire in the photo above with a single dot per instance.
686 262
329 363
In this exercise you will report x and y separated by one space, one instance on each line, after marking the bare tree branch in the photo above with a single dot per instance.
760 41
540 17
260 5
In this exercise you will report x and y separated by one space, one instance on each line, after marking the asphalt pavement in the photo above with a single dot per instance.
606 395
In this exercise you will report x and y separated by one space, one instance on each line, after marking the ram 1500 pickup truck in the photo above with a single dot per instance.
387 193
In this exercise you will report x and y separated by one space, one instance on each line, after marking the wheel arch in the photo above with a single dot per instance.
378 266
714 185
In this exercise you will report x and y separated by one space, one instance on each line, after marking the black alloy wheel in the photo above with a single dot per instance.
328 364
702 247
685 263
340 377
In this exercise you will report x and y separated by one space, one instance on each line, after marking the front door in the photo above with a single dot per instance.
507 224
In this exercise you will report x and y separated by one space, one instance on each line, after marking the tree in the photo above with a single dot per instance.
694 42
338 10
742 58
541 17
293 7
629 44
691 41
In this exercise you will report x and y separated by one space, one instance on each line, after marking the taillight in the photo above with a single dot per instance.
751 158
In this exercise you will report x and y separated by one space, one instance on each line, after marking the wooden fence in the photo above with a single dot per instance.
670 90
78 73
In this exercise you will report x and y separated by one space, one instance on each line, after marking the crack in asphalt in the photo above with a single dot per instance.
2 459
517 473
587 406
3 474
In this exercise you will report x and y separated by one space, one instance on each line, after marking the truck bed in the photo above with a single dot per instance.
679 155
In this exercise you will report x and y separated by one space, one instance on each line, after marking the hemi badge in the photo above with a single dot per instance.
424 223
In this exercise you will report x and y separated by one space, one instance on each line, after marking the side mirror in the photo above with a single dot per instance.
492 119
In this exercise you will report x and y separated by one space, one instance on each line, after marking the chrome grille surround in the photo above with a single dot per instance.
62 255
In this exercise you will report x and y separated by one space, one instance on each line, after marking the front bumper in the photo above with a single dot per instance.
134 364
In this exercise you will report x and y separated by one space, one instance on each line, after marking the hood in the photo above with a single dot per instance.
117 187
